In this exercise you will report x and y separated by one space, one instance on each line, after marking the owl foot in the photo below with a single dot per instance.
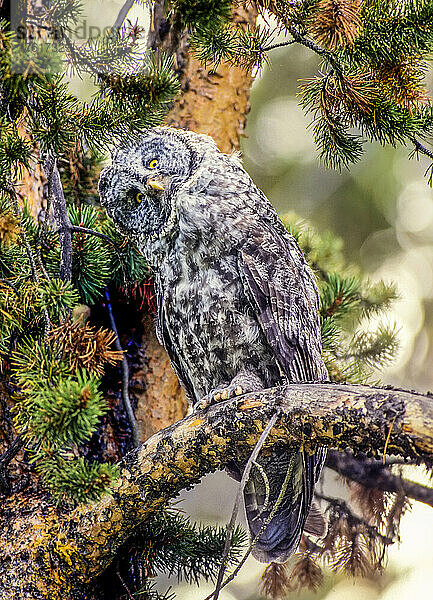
219 395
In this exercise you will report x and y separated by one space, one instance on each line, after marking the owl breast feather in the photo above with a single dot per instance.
212 328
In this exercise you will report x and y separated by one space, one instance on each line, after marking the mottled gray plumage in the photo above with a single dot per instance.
237 303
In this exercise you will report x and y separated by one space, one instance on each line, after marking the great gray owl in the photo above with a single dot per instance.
237 303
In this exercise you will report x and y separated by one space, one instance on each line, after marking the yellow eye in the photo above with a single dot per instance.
153 163
139 197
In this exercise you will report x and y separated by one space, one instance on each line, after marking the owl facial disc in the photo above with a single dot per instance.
138 190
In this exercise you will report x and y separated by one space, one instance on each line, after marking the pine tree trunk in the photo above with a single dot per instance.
33 183
215 102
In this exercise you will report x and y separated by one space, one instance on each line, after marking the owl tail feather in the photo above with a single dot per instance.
278 504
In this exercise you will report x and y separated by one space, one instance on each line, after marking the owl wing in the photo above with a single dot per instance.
282 291
283 294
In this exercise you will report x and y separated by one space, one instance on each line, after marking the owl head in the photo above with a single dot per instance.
140 187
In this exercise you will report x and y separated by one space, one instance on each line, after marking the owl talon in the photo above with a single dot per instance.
202 404
219 395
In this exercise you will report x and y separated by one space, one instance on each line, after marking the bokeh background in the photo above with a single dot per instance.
383 211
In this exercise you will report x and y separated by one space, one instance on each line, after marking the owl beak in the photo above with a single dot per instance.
156 184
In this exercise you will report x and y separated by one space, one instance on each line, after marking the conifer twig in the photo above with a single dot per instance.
257 536
6 458
55 191
107 238
343 506
373 474
280 45
298 37
125 375
419 147
238 500
11 285
304 41
123 13
103 236
128 591
79 229
41 264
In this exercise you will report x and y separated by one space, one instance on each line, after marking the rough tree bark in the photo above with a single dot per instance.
70 551
33 183
212 101
160 399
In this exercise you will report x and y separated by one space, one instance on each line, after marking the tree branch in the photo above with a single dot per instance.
55 191
125 374
123 13
419 147
343 507
309 415
5 459
280 45
373 474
